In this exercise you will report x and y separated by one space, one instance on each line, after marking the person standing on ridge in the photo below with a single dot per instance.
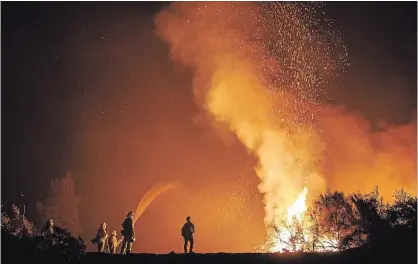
187 232
128 234
101 237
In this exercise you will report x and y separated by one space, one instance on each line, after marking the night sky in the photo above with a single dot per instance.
89 87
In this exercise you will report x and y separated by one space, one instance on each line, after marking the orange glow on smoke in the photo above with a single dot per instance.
290 136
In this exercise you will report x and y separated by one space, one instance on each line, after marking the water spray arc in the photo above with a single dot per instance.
150 196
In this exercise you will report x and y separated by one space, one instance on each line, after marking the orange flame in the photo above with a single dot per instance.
295 212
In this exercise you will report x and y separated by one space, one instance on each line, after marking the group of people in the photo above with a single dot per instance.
128 236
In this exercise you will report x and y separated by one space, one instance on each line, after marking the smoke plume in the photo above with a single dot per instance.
262 70
240 80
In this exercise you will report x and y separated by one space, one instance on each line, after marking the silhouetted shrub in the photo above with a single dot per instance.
21 238
61 244
388 227
17 225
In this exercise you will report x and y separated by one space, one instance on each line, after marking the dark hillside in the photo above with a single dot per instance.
350 257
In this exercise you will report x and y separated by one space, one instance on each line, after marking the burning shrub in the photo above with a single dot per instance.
289 236
333 219
338 222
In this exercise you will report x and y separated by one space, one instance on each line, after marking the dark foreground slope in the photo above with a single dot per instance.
220 258
223 258
352 257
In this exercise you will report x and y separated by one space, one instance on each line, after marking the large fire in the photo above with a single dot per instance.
296 218
236 82
259 69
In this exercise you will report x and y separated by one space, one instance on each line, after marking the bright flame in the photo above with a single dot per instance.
287 240
295 215
298 209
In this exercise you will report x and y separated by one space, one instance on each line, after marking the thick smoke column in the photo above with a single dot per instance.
257 68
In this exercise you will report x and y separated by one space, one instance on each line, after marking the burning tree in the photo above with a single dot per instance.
338 222
289 236
333 218
62 204
288 232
